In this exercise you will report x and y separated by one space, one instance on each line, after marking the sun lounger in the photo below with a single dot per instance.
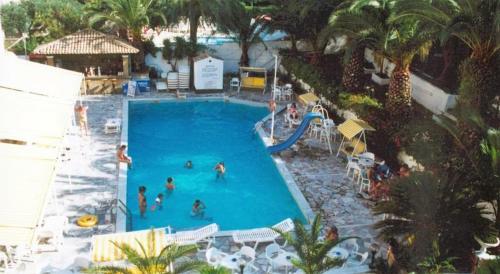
204 234
261 235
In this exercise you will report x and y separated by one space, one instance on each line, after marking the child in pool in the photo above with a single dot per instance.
198 209
188 164
170 185
158 202
221 170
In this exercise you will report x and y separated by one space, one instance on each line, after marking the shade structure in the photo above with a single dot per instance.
27 173
308 99
104 247
31 77
36 108
37 119
351 128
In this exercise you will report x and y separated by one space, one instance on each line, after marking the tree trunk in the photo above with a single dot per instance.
293 40
353 71
193 33
244 59
479 84
399 95
449 51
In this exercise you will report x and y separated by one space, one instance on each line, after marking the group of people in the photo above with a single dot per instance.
198 208
380 176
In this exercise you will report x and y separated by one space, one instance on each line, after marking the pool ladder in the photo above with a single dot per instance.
125 210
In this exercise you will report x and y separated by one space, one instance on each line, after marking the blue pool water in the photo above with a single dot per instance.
163 136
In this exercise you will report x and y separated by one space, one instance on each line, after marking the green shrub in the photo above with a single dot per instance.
312 76
362 105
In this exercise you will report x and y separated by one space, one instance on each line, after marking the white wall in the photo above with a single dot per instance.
260 56
426 94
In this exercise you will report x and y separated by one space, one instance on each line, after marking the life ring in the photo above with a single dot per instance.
87 221
272 105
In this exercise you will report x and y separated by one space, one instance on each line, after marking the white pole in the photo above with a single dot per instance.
274 95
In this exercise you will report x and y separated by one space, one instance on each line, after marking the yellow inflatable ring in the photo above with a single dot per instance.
87 221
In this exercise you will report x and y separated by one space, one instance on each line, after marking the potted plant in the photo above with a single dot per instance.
368 67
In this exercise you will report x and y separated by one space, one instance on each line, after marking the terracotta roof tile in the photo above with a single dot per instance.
86 42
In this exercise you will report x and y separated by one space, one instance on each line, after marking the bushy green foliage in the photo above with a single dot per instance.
311 75
312 251
42 20
363 105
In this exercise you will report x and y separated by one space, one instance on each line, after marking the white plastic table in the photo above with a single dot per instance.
231 261
285 259
338 253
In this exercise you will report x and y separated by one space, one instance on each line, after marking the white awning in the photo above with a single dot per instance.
38 78
27 173
36 108
29 117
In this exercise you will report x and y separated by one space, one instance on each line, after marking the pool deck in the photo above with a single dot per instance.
319 176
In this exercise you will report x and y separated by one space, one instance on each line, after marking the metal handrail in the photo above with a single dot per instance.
125 210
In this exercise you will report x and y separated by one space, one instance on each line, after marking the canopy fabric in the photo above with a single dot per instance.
252 69
308 98
34 118
351 128
31 77
103 249
27 173
36 108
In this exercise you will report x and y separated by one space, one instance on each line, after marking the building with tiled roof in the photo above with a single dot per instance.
103 58
86 42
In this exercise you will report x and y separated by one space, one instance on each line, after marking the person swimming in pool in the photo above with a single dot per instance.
220 169
198 209
188 164
170 185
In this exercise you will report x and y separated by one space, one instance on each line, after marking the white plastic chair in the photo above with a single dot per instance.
350 245
362 259
356 171
364 181
287 92
482 253
214 256
272 252
234 83
248 252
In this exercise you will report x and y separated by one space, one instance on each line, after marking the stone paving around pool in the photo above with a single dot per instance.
92 166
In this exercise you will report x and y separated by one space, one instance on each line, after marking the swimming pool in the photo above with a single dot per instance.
162 136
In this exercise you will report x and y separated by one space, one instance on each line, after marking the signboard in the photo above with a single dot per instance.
208 73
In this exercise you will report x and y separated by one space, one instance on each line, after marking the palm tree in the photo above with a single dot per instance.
145 261
214 12
406 40
362 26
127 17
424 208
476 23
310 249
251 23
370 21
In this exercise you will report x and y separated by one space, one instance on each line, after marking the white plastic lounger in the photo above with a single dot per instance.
261 235
204 234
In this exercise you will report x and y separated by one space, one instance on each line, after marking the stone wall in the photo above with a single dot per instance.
104 84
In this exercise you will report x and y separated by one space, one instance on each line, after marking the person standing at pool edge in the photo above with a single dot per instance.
122 157
220 169
81 111
143 205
